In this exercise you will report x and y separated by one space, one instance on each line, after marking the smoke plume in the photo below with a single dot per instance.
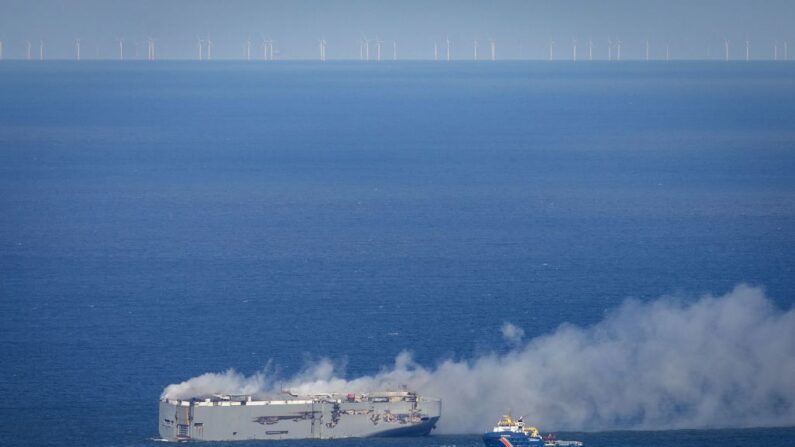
725 361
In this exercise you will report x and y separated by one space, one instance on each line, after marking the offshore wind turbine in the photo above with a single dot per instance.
1 50
248 49
786 50
447 39
41 49
366 47
609 49
618 50
394 50
747 50
726 49
550 45
475 50
493 45
435 51
121 49
647 50
590 49
378 43
200 45
667 51
27 43
322 45
77 49
209 48
775 50
574 50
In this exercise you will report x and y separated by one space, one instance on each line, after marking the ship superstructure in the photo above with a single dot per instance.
323 416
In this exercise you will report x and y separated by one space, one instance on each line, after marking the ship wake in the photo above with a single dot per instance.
715 361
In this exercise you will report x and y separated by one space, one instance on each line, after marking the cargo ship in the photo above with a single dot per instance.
510 433
320 416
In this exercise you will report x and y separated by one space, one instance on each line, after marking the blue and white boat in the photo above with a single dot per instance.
510 433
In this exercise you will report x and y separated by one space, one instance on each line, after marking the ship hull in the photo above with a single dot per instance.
295 419
510 439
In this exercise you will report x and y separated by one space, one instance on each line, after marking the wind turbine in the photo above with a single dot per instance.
435 51
366 47
121 49
775 50
668 51
209 48
248 49
1 50
447 39
609 49
150 43
747 50
726 48
550 45
269 49
786 51
475 51
200 44
27 42
590 49
378 43
574 50
394 50
493 44
647 50
77 49
322 44
41 50
618 50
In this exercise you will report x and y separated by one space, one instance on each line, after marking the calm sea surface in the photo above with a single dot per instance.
162 220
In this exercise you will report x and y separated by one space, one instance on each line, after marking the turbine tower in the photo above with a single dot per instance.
366 48
394 50
618 50
209 48
726 49
668 51
550 45
493 44
447 40
609 49
590 49
248 49
435 51
786 50
775 50
322 44
150 47
121 49
747 50
27 43
475 50
647 50
200 44
77 48
378 43
574 50
1 50
41 50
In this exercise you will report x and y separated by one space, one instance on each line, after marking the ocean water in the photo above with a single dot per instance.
163 220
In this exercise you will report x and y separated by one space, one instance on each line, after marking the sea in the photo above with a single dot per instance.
160 220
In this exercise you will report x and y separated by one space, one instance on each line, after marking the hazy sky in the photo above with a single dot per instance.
695 29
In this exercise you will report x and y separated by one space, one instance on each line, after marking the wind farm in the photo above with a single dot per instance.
596 50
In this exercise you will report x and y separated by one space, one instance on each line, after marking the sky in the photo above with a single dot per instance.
694 29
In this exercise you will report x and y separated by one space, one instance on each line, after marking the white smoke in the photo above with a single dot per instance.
724 361
512 333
